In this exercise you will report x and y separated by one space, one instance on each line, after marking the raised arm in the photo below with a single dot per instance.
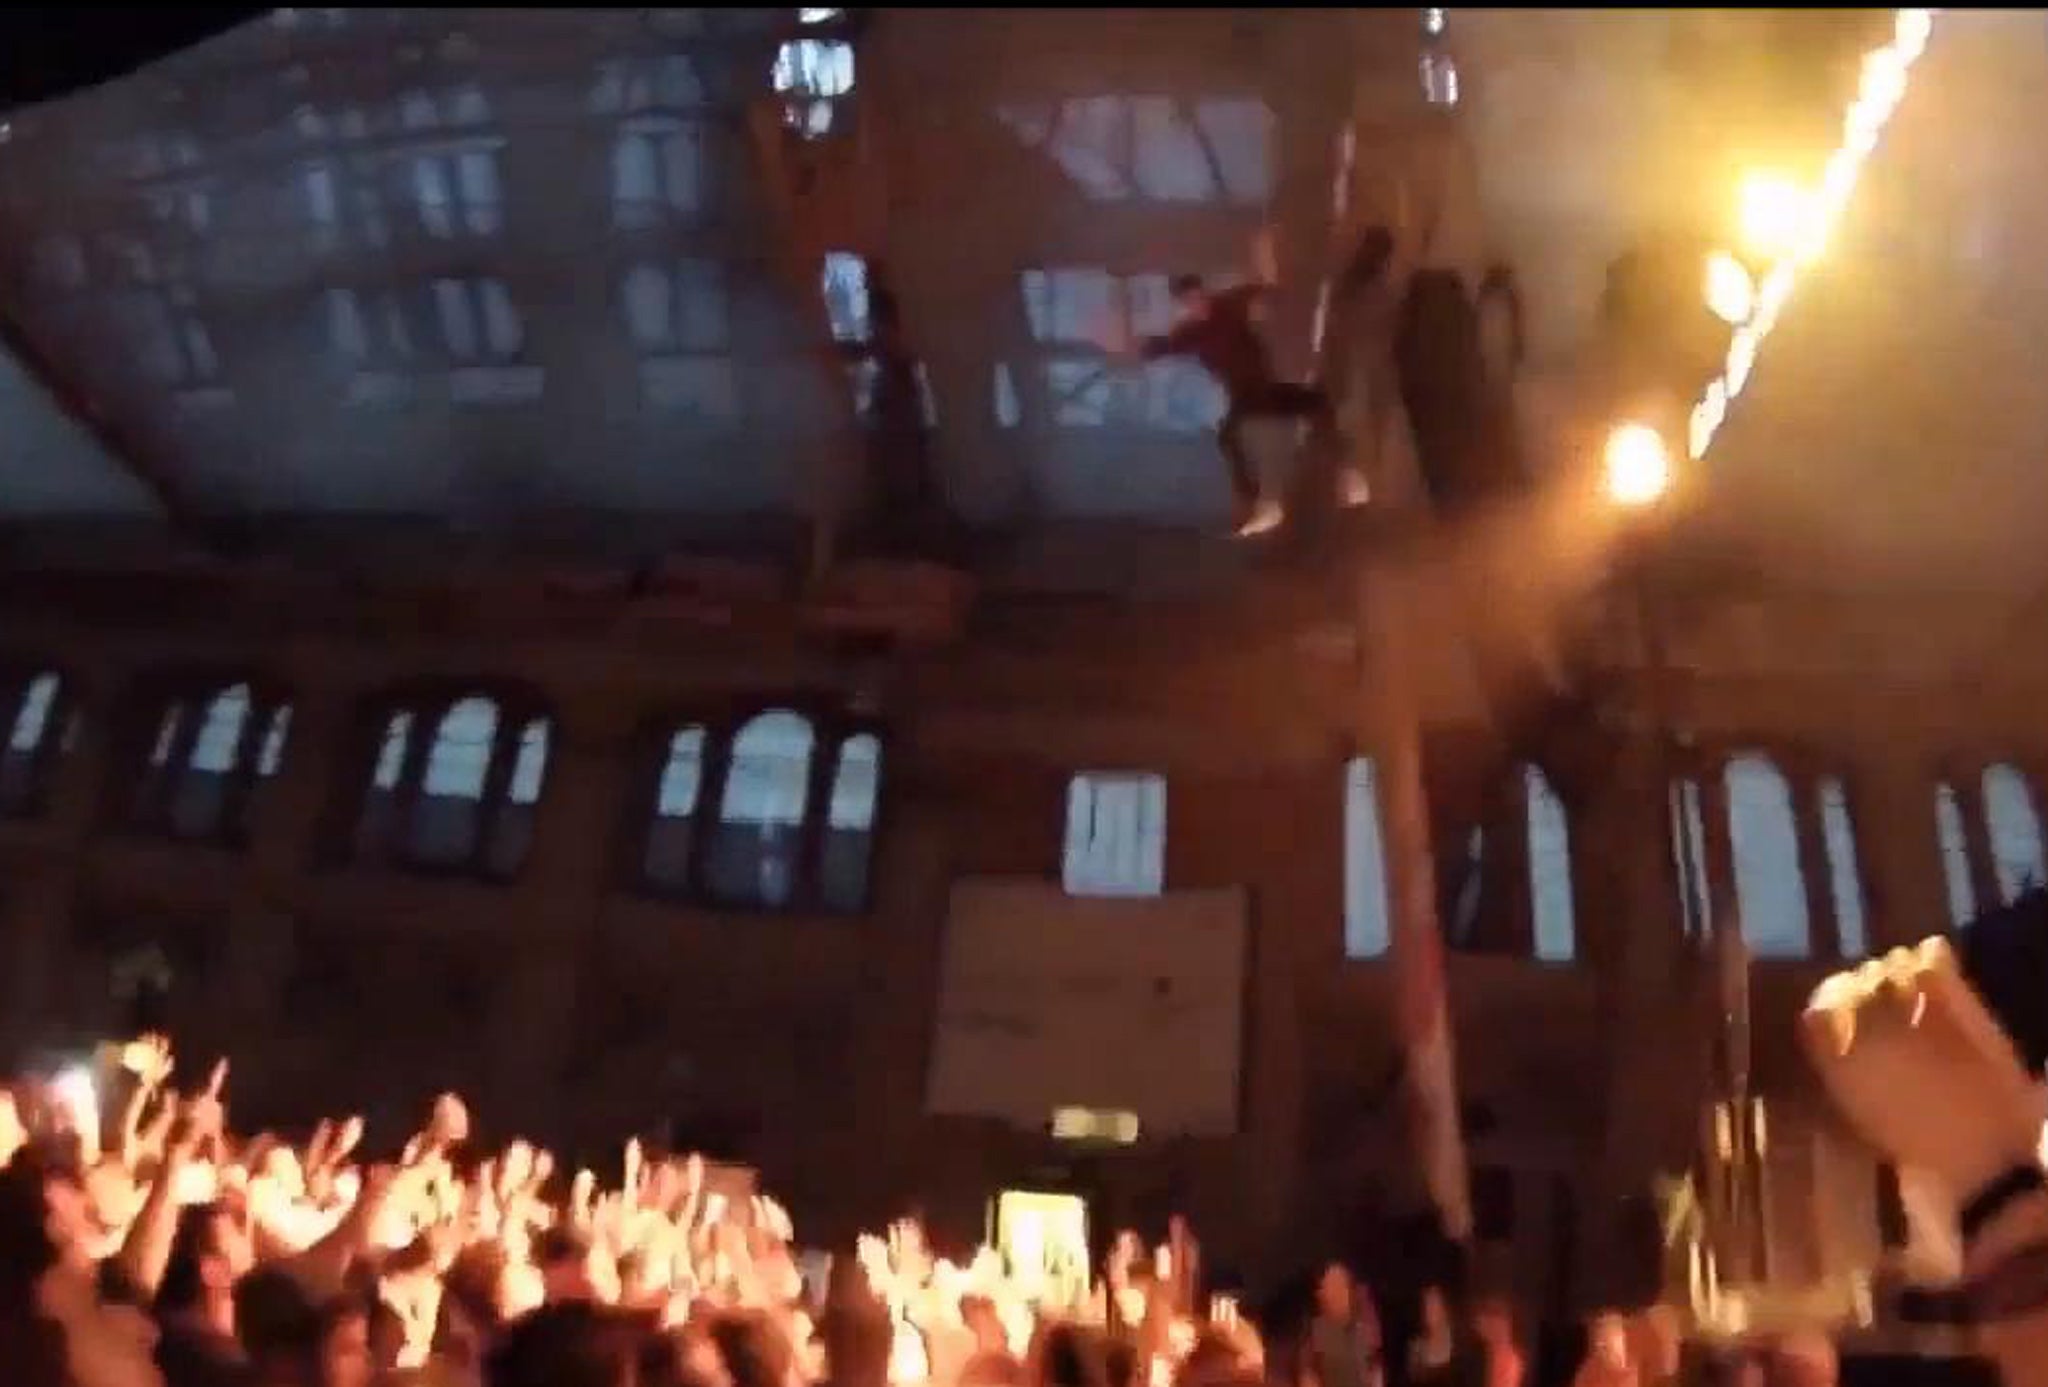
146 1251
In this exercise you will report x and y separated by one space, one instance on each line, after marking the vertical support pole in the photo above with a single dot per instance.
1392 712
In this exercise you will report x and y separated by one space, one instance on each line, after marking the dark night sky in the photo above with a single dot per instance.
46 53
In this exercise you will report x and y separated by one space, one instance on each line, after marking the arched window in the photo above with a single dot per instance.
1763 838
448 818
31 713
1552 920
755 846
454 785
209 750
795 814
2013 832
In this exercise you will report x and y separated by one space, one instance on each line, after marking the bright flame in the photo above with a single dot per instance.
1638 465
1729 290
1774 214
1791 224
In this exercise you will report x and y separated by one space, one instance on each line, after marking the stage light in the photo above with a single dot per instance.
1729 291
1775 215
1638 465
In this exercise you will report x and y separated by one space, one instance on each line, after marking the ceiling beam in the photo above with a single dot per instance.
121 443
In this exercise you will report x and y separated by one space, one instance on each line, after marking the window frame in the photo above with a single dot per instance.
1805 772
17 677
1095 777
832 726
428 704
1963 775
144 805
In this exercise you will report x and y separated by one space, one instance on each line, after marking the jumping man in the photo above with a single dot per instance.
1218 329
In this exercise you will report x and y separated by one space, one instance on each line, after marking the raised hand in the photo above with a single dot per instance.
1919 1066
148 1058
346 1140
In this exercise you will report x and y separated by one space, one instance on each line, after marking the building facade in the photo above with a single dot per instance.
526 729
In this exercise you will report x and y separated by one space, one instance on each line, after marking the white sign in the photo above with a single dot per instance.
1051 1001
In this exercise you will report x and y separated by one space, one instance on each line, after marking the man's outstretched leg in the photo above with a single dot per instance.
1256 512
1312 403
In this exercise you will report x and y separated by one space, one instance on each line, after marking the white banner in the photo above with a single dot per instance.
1048 1000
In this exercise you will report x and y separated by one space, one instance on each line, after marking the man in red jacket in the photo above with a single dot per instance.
1218 328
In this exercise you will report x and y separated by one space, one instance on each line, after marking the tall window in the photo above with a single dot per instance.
1071 312
813 74
672 833
209 751
1367 904
754 849
2012 829
31 710
1763 837
850 822
454 786
1552 919
1991 840
171 336
659 161
1116 835
369 332
1954 841
483 339
659 172
1689 858
1439 70
1118 148
477 321
795 814
455 192
424 165
1791 845
843 281
678 315
1845 874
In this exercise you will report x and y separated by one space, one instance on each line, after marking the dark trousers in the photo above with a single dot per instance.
1272 400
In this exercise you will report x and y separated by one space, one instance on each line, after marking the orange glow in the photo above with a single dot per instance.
1638 465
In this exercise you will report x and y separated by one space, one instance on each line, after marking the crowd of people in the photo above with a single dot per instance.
142 1244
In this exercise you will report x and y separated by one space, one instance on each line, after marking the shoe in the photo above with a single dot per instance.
1352 489
1265 515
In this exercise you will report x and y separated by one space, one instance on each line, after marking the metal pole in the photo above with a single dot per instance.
1388 651
1732 1193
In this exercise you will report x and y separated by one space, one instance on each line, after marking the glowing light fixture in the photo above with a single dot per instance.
1790 224
1774 214
1729 291
1638 465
